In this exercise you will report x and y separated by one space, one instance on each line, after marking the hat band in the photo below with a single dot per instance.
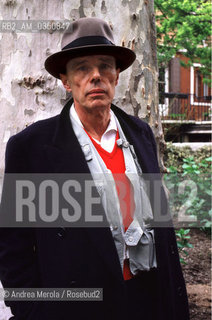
88 41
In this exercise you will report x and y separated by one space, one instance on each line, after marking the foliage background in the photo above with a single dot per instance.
184 25
174 156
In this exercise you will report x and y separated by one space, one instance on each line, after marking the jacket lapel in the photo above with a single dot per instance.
141 138
64 153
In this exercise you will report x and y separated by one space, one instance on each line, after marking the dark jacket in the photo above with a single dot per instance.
80 257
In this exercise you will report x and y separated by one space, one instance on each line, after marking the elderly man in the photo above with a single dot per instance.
137 266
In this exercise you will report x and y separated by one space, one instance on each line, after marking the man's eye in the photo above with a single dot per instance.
82 68
105 66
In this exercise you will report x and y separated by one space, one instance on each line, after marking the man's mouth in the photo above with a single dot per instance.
96 92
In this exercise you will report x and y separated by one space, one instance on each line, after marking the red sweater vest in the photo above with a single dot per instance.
114 161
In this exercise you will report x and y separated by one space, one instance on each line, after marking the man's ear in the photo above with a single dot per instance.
63 78
117 76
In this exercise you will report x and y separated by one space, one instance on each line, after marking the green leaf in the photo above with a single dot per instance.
189 245
209 192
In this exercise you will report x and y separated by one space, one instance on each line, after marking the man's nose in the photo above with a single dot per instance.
96 75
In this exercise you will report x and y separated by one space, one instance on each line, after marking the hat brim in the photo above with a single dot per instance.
56 63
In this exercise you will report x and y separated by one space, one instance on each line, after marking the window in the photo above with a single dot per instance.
205 90
198 83
161 84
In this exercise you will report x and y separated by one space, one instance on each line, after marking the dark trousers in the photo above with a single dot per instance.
141 292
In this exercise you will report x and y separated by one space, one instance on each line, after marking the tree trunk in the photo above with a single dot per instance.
28 93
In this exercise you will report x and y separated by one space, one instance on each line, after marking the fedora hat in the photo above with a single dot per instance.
88 36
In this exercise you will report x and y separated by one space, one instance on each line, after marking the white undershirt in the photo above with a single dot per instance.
108 138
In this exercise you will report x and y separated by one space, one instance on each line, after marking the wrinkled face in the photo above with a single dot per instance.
92 81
